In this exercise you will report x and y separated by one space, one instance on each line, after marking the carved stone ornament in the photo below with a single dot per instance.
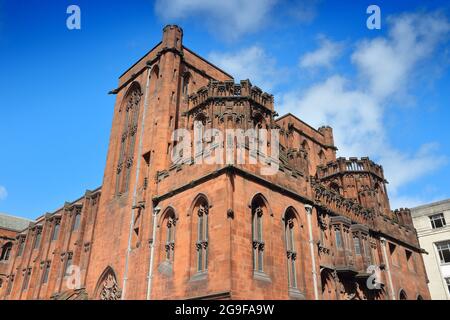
110 289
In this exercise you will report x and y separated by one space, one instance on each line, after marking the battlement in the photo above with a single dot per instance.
344 165
229 90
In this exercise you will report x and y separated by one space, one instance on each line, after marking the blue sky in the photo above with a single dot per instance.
385 92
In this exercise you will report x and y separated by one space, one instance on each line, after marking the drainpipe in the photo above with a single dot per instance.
138 166
156 210
308 209
388 268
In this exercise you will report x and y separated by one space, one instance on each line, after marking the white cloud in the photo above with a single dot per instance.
250 63
324 56
230 18
387 63
3 193
355 107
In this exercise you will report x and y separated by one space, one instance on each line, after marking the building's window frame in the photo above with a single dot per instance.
291 253
21 246
339 241
68 262
443 249
437 221
447 281
46 272
37 239
56 230
202 237
26 279
258 239
6 251
170 225
76 223
10 285
357 245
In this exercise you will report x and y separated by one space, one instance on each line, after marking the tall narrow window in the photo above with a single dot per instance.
202 237
357 245
186 80
56 228
10 284
76 220
6 251
21 246
46 272
37 240
338 237
290 225
257 235
68 264
26 279
128 138
170 222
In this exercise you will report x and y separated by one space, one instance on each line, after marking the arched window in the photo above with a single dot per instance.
107 287
185 85
290 227
419 297
201 245
258 208
131 109
168 224
6 251
402 295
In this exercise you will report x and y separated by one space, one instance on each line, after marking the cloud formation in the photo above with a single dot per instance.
324 56
356 107
230 18
252 63
3 193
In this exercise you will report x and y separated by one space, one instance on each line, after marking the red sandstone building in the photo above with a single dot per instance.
163 230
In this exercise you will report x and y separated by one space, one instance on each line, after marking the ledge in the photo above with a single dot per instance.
296 294
261 276
199 276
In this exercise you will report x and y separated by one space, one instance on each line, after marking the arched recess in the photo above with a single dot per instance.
419 297
6 251
107 287
167 234
402 295
153 85
200 214
294 244
260 230
186 83
129 119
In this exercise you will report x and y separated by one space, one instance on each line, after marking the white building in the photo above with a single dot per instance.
432 222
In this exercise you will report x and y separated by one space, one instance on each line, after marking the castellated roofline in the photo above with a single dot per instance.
231 90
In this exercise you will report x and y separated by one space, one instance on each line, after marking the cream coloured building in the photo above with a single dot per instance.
432 222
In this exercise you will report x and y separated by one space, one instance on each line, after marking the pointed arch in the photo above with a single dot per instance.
154 76
6 251
259 209
291 232
186 83
130 118
402 295
167 223
200 231
107 287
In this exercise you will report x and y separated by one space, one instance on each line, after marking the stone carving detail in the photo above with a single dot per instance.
110 289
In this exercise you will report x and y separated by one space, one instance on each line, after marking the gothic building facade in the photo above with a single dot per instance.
319 228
